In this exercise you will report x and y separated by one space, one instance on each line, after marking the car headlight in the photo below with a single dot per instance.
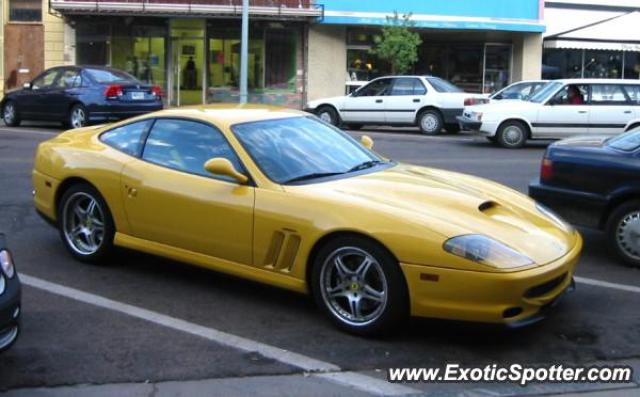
487 251
476 116
6 263
554 218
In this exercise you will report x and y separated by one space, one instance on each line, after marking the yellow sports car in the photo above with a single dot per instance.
280 197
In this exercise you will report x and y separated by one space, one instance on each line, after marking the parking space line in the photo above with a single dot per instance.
307 364
606 284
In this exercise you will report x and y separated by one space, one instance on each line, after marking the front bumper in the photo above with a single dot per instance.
10 311
507 298
467 124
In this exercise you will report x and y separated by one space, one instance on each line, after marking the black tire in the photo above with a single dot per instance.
620 244
328 114
11 118
354 127
74 113
512 134
67 218
452 128
387 315
430 122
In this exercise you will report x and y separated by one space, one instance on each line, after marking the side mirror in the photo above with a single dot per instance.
26 86
222 166
367 142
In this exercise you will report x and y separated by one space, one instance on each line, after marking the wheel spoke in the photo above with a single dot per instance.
338 291
354 307
343 270
364 267
79 212
90 208
369 293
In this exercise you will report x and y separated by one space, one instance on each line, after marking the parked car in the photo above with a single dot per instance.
595 182
278 196
428 102
522 90
9 298
78 95
561 109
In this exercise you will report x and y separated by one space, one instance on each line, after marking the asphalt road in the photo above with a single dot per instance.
66 342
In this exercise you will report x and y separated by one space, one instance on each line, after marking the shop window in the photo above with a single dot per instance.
364 66
497 67
632 65
92 42
280 62
141 57
603 64
560 63
465 67
25 10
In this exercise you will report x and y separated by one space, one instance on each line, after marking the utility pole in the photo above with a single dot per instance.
244 51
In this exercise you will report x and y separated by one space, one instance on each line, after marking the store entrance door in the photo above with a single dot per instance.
188 62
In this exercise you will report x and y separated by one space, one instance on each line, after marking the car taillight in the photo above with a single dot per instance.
546 170
113 91
157 91
474 101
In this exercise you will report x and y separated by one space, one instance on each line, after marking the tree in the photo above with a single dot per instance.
398 45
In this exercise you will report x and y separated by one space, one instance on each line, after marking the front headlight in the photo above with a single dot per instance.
487 251
476 116
554 218
6 263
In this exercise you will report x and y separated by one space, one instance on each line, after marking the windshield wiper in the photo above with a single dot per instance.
365 165
313 175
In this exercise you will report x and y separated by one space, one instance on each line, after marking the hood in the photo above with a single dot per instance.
453 204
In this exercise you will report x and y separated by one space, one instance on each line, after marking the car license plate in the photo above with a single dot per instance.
137 95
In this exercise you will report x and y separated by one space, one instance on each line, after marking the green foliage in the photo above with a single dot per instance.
398 45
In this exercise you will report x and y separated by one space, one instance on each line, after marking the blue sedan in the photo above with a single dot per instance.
595 182
79 95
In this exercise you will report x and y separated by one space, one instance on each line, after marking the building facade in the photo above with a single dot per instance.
592 39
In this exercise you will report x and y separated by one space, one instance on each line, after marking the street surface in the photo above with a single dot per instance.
83 344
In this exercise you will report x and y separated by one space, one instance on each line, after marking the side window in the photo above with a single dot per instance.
572 94
128 138
45 80
407 86
633 91
376 88
186 145
69 78
608 94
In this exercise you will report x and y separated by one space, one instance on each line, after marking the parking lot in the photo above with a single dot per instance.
163 321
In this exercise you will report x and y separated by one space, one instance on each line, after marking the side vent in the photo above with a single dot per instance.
283 250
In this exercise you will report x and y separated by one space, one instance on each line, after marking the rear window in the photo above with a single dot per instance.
442 85
628 141
106 76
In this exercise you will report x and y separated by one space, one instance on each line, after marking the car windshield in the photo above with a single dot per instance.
442 85
628 141
523 91
542 94
106 76
298 148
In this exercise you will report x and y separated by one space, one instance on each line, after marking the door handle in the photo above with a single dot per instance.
378 100
416 100
582 111
627 112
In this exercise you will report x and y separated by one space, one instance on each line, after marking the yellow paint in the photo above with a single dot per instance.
267 232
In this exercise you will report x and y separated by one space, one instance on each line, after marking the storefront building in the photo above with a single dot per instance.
592 39
192 48
480 46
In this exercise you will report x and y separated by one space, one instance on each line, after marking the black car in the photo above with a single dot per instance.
595 182
9 298
78 95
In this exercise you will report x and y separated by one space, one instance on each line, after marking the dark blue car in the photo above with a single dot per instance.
79 95
595 182
9 298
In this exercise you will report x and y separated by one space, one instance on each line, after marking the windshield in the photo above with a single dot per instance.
629 141
293 149
522 91
542 94
106 76
442 85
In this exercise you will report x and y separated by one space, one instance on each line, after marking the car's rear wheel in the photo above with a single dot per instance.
359 286
78 116
512 134
10 114
85 223
623 232
328 115
430 122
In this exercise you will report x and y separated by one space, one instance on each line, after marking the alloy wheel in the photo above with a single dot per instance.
513 135
628 234
9 114
83 223
78 117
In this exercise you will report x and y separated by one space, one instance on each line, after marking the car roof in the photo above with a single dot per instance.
597 81
227 114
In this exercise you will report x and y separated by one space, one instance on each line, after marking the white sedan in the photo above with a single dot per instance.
430 103
561 109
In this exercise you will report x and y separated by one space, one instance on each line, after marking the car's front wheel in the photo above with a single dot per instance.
78 116
623 232
10 114
85 222
360 286
430 122
328 115
512 134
